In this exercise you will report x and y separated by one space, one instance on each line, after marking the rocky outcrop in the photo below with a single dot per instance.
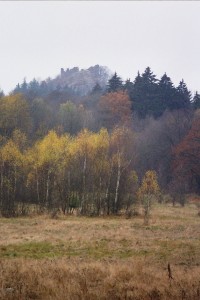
83 81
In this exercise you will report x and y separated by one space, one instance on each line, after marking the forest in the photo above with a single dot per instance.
99 147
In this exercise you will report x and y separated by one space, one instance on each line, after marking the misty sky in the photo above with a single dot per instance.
39 38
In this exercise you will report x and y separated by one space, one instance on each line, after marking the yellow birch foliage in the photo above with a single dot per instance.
149 185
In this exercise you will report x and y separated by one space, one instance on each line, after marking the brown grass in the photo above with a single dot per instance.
101 258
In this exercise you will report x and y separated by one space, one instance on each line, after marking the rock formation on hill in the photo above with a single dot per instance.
83 81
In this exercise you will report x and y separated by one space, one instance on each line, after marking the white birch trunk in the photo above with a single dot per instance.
118 178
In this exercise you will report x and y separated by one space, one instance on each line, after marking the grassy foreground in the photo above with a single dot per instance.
102 258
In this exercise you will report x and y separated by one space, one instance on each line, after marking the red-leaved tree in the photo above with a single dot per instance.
186 163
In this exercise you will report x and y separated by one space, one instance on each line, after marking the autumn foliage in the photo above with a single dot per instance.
148 192
115 108
186 163
90 172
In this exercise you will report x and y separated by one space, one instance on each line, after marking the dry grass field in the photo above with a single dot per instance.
102 258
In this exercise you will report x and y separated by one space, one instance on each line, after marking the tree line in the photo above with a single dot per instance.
152 96
91 171
61 150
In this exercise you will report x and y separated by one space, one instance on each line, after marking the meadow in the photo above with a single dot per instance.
102 257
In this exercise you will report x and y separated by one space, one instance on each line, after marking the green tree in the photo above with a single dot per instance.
196 101
167 94
97 89
144 94
128 85
115 84
183 97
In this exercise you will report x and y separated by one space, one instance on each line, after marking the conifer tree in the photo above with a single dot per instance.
148 77
135 95
183 98
97 89
144 94
24 86
167 93
115 84
128 85
196 101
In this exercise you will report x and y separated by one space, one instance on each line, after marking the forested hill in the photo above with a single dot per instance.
87 139
149 95
72 81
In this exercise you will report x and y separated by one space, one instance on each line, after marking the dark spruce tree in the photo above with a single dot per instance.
167 94
21 88
128 85
114 84
97 89
196 101
183 96
151 93
148 77
33 90
152 97
17 89
144 94
24 86
135 93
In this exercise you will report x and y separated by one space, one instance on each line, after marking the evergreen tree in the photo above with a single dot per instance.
148 77
21 88
165 83
33 85
97 89
128 85
17 89
33 89
196 101
183 98
115 84
151 93
167 93
144 94
135 94
44 89
24 86
150 97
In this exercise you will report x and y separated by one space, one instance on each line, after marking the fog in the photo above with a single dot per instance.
39 38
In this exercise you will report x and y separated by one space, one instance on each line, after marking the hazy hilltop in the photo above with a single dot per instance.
72 84
82 81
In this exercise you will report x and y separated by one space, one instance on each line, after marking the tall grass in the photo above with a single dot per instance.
102 258
75 279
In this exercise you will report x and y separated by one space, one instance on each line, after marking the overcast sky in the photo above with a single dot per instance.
39 38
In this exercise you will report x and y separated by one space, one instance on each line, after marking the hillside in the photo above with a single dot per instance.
62 149
82 81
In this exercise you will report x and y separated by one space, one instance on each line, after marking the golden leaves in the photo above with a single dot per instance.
149 185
